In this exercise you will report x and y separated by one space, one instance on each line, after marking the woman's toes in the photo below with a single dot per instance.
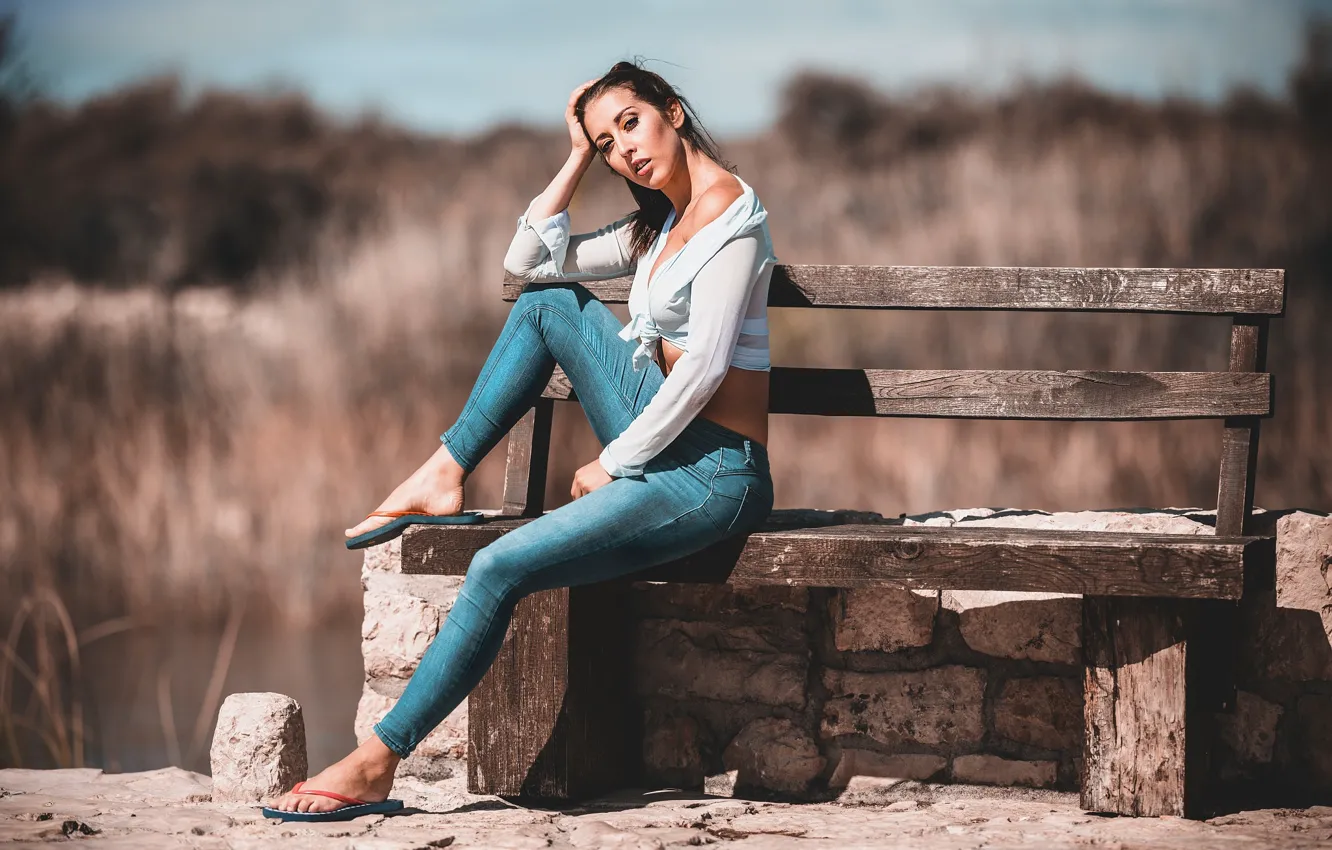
365 525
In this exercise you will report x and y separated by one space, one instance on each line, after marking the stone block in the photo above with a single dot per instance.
882 619
917 767
675 749
701 660
384 558
1304 565
1313 741
774 754
1250 731
1043 711
939 707
403 614
993 770
258 750
1280 644
1011 624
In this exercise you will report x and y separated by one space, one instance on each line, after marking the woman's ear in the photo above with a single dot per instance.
676 113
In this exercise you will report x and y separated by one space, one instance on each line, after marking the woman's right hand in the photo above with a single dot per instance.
577 137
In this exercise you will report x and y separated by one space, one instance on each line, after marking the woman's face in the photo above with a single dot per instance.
633 138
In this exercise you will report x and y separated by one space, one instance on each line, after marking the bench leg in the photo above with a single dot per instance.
552 717
1147 736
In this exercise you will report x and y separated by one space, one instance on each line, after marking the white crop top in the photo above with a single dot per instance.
710 299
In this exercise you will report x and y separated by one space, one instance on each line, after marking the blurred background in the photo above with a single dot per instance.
250 264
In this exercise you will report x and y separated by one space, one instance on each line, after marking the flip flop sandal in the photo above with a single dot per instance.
402 519
354 808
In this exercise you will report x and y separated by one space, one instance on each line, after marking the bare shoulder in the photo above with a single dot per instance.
715 200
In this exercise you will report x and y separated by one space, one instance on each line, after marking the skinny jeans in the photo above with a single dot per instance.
708 484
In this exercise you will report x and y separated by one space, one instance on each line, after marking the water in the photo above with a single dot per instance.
321 669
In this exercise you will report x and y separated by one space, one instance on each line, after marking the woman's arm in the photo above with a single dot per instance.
719 298
544 250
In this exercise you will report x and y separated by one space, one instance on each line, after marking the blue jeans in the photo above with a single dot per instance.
711 482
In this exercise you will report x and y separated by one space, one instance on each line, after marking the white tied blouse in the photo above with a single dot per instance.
710 299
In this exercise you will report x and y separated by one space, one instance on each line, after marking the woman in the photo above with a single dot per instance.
685 461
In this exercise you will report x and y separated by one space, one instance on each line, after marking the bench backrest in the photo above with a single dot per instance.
1240 396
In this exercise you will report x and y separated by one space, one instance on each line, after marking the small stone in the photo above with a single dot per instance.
258 749
882 619
853 763
721 784
993 770
940 706
1043 711
774 754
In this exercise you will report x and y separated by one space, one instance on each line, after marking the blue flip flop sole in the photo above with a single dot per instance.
394 527
344 813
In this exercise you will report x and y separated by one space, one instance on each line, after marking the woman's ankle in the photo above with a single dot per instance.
445 467
375 755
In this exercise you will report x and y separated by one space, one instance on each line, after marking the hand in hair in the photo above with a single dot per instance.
577 136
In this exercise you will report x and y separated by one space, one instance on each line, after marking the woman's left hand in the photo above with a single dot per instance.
589 478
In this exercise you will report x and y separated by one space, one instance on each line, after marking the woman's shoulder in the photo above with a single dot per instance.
717 199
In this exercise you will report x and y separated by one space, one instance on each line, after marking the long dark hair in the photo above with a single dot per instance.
649 87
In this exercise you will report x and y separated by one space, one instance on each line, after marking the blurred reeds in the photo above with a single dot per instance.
230 324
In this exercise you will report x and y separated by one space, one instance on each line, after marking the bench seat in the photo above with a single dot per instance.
787 551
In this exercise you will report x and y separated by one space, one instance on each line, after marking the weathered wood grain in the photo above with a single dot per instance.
528 461
924 557
1135 654
551 718
1239 439
1204 291
1004 394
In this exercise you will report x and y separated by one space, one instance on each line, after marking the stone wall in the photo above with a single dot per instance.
804 691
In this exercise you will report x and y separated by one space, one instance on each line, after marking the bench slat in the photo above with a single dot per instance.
1202 291
1005 394
924 557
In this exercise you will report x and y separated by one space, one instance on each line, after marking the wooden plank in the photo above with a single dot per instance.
1239 440
528 461
924 557
551 719
513 709
1135 759
1202 291
1005 394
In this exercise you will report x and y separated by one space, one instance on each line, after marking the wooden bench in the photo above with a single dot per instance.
553 717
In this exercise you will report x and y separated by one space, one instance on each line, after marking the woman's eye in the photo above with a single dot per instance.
627 124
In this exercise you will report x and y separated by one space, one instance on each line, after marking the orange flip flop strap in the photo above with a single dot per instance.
396 513
352 800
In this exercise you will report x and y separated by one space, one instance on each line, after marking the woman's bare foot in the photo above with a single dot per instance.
436 487
366 774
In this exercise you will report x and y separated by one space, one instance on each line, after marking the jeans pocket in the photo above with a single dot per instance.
736 462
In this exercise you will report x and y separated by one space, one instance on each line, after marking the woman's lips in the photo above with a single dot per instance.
647 166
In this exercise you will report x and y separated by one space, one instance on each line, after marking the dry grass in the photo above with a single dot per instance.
171 451
43 698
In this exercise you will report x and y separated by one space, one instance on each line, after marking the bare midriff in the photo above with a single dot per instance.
740 403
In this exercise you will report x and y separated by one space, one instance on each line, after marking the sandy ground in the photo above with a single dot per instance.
173 808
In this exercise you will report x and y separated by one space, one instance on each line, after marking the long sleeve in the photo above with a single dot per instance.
544 250
718 301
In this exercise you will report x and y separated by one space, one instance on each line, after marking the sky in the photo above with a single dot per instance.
452 67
